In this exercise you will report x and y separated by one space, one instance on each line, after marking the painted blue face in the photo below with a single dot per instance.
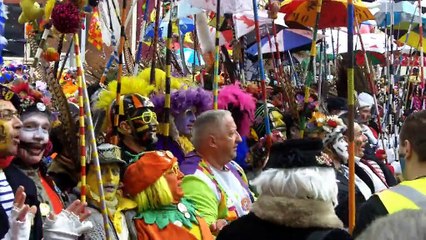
184 121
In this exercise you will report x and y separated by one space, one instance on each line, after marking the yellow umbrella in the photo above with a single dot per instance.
413 40
333 12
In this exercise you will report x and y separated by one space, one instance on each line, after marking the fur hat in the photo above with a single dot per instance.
337 103
298 153
146 171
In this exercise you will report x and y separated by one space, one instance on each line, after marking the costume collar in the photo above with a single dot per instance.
173 213
298 213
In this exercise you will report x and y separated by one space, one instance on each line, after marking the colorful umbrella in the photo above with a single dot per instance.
402 12
287 39
185 25
375 58
413 40
333 12
229 6
190 56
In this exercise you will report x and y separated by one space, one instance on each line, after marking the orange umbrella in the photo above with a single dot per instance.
333 12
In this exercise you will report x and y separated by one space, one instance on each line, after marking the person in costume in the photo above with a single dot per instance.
364 116
119 221
28 169
336 147
216 184
137 126
154 182
258 149
242 106
298 193
185 106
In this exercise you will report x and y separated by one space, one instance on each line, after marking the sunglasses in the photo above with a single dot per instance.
146 117
8 114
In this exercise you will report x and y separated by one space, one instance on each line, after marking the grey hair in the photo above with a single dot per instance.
207 122
318 183
406 224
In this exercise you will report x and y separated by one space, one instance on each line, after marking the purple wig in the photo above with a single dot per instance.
241 104
183 99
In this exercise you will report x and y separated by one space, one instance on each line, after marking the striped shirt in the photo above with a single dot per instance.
6 194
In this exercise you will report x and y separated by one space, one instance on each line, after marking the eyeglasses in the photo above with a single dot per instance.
174 169
8 114
146 117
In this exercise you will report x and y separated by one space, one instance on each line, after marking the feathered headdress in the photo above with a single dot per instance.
183 99
240 103
160 80
333 127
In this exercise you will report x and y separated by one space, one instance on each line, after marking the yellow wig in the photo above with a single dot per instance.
129 85
155 196
160 80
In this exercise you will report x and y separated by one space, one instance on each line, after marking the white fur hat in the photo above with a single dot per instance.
365 100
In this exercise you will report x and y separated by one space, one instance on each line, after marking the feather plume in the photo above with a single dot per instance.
203 33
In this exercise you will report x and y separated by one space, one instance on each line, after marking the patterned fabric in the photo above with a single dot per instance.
6 194
95 34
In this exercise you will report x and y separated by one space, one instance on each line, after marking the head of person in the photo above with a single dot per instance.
276 122
154 180
298 169
37 120
111 166
185 106
137 120
337 105
406 224
10 124
365 105
360 140
412 147
215 137
241 104
335 144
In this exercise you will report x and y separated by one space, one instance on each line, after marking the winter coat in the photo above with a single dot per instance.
282 218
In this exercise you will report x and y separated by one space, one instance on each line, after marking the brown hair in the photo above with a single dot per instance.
414 130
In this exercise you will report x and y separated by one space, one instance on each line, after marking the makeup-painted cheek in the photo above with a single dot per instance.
5 139
26 136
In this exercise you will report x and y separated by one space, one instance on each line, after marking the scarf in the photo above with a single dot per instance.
185 144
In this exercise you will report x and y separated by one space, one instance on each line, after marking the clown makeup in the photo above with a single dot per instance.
184 121
110 179
9 129
34 137
340 146
174 179
144 127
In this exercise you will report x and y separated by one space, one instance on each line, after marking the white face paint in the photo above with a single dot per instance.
341 148
34 137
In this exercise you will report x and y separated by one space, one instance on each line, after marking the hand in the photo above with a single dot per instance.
217 226
21 217
20 206
69 224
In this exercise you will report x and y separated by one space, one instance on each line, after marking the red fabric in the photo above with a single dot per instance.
53 196
5 162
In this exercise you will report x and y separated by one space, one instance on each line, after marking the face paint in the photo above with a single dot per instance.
34 137
9 129
184 121
110 179
144 127
341 148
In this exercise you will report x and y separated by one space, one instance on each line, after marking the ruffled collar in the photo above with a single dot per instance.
182 213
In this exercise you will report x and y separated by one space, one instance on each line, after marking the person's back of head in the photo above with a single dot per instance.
412 149
407 224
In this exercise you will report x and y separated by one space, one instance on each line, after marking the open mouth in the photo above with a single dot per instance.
109 188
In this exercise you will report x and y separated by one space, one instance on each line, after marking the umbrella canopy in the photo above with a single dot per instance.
287 39
228 6
191 57
333 12
402 12
373 42
185 25
413 40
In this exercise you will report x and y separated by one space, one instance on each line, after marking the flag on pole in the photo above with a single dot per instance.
95 34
